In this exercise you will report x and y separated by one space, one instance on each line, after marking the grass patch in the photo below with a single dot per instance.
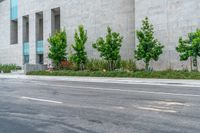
137 74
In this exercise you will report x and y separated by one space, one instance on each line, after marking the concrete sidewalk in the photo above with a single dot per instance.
168 82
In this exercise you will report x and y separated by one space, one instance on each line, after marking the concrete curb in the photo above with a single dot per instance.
168 82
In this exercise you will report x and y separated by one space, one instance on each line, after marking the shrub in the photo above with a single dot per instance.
148 48
80 55
102 65
66 65
109 47
57 50
96 65
7 68
129 65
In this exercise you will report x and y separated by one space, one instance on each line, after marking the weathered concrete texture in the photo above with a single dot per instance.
8 53
171 19
95 16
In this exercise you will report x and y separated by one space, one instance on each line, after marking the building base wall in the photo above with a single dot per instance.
171 19
11 55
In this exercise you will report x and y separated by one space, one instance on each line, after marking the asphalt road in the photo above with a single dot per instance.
36 106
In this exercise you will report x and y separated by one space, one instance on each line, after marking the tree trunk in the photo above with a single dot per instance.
195 64
110 65
147 66
80 67
57 66
191 64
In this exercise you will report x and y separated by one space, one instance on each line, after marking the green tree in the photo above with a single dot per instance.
57 49
148 48
80 55
190 48
109 47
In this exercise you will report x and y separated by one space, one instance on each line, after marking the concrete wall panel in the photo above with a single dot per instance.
171 19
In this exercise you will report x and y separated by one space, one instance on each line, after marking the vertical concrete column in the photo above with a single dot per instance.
32 39
62 18
20 40
47 32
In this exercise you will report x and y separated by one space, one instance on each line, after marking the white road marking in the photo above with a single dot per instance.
159 107
132 91
119 107
156 109
172 103
40 100
75 105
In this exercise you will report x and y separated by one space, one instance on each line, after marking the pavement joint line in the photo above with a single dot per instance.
133 91
136 91
123 90
143 83
159 82
40 100
191 86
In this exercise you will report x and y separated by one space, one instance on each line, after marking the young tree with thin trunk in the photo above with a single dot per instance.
57 49
148 48
190 48
80 55
109 47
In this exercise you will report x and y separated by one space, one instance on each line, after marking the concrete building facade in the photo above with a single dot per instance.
171 19
25 26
